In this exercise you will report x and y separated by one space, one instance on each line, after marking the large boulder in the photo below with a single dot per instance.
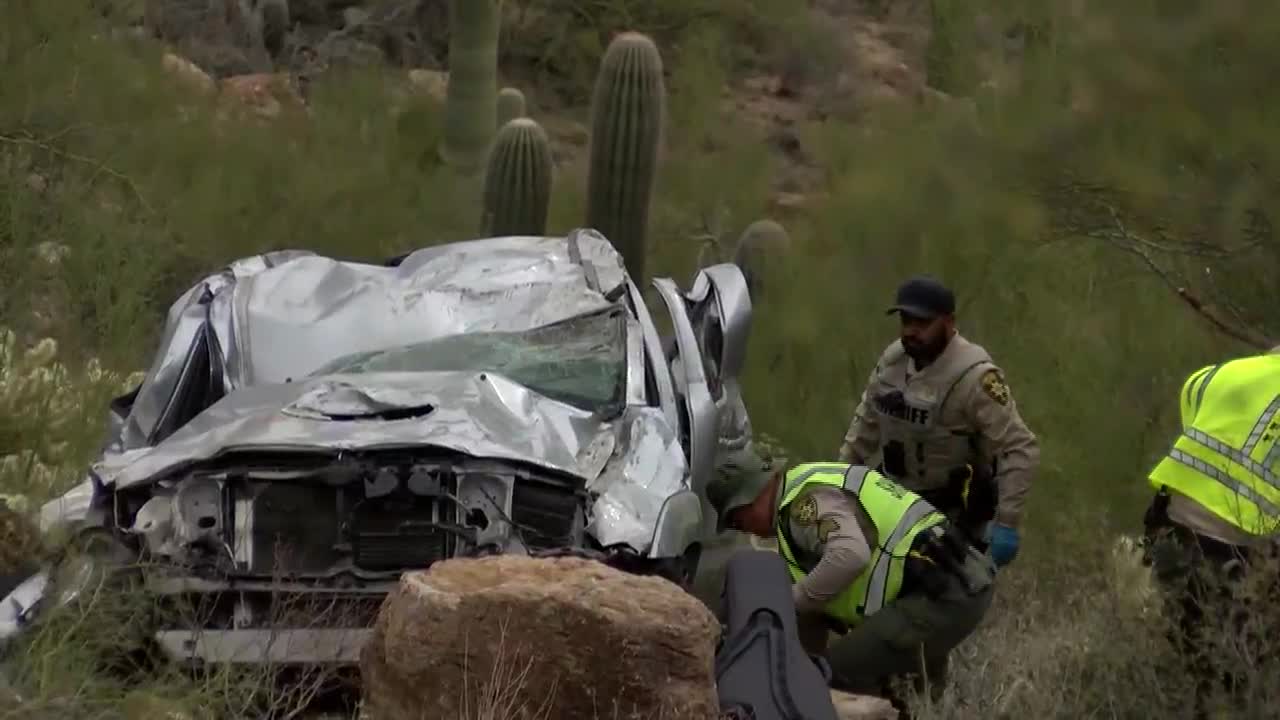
517 637
189 73
262 96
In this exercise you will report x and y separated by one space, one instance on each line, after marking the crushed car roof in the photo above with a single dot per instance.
297 316
281 315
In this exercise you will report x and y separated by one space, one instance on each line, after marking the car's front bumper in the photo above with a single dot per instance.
274 646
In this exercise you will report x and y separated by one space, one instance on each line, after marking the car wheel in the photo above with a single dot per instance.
682 570
691 559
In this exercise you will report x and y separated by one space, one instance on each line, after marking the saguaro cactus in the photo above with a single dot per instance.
273 19
761 244
628 107
510 105
471 97
517 184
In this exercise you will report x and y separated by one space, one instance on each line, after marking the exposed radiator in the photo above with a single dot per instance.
544 514
399 534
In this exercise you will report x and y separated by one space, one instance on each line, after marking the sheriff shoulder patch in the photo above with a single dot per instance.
804 511
994 386
826 527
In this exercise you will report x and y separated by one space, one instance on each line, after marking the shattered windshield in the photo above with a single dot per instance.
581 361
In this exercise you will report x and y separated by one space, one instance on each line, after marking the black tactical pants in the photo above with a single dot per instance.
912 637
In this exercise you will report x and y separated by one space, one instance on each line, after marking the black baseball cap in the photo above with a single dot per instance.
924 296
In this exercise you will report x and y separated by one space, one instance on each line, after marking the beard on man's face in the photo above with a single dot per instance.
921 349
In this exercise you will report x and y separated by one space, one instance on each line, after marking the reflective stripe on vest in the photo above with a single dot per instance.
898 514
1193 391
1231 429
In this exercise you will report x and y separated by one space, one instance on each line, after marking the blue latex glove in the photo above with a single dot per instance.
1004 544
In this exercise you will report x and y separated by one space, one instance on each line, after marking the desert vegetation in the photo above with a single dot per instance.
1096 180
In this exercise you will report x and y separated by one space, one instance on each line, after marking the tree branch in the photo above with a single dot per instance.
1244 335
1139 247
82 159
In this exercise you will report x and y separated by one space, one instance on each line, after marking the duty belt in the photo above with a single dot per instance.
1158 524
939 556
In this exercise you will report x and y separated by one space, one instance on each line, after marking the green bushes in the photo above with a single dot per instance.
559 45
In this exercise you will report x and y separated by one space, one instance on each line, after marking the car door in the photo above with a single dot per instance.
720 310
710 326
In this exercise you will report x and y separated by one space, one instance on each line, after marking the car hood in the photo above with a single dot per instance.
632 463
477 413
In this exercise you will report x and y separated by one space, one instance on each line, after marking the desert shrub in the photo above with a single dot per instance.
49 413
559 44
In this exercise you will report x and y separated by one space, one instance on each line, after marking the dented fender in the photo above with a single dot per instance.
679 525
18 608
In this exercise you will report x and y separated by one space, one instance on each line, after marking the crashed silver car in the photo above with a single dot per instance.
315 427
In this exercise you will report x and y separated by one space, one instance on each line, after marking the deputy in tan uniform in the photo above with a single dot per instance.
937 411
871 560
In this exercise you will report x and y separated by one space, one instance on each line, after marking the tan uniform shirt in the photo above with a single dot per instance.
1201 520
829 523
962 392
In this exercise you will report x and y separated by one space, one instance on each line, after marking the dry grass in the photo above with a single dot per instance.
1088 634
1097 644
93 659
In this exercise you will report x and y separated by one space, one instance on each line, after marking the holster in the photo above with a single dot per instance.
1160 528
1157 514
969 498
942 555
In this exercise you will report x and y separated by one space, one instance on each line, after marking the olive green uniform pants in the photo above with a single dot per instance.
911 637
1201 580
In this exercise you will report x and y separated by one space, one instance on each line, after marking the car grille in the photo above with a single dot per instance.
294 530
302 529
305 529
544 514
395 535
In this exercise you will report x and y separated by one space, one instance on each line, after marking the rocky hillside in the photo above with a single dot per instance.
842 61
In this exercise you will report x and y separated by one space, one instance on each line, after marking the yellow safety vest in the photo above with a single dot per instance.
1227 457
899 516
